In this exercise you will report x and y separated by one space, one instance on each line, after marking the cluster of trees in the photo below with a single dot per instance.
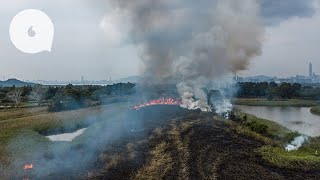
273 90
59 98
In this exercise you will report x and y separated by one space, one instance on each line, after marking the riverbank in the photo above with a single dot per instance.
294 118
315 110
276 137
279 103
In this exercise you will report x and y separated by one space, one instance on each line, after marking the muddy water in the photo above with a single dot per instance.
66 136
294 118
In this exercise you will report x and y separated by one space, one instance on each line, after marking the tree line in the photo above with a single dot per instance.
273 90
59 98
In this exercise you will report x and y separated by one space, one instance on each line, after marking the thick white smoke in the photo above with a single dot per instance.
193 42
296 143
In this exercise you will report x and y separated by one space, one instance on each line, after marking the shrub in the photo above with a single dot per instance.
257 127
289 137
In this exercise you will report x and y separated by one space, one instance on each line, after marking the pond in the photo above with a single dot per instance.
294 118
66 136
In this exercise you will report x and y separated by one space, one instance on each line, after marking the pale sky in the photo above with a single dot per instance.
83 45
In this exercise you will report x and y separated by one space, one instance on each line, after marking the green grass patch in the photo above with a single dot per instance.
276 137
279 103
305 158
262 126
315 110
20 133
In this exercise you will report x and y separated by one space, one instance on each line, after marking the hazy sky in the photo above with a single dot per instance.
83 45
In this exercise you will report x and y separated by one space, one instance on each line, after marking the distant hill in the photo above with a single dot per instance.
260 78
14 82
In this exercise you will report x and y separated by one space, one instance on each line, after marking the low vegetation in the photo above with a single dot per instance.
276 138
305 158
315 110
33 123
273 103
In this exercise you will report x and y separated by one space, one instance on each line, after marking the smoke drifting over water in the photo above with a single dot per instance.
193 42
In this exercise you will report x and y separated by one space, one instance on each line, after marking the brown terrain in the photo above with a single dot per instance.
180 144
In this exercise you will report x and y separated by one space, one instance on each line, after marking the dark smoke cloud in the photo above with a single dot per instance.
275 11
193 42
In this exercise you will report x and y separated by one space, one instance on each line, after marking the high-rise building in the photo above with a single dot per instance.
310 70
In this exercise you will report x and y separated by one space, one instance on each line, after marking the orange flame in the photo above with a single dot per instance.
161 101
28 166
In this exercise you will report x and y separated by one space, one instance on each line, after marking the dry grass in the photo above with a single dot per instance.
159 166
181 147
29 122
172 152
114 160
13 113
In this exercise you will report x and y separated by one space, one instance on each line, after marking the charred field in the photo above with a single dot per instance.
185 144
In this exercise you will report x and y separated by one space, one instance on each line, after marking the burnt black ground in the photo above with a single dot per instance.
199 146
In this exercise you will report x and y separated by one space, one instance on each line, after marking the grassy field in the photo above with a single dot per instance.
315 110
28 124
281 103
191 145
13 113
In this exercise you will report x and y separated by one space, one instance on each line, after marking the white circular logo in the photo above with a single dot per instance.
31 31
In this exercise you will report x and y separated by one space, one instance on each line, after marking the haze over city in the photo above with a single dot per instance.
91 42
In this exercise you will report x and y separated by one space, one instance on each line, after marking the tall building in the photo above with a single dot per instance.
310 70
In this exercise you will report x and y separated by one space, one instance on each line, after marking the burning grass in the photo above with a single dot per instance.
160 101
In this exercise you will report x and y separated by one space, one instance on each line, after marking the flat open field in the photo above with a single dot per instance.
155 142
32 122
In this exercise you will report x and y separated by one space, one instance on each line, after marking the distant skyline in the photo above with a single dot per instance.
82 48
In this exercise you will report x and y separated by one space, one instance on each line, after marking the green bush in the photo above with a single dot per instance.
289 137
257 127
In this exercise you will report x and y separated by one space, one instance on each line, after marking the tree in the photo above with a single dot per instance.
37 94
16 96
286 91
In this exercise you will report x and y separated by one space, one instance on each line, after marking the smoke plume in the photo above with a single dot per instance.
193 42
296 143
